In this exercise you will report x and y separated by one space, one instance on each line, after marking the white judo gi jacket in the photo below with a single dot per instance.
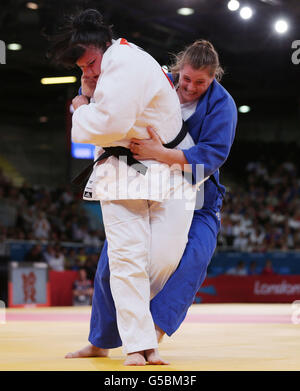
132 92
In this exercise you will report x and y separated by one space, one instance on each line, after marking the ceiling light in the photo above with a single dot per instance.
14 46
58 80
31 5
185 11
281 26
246 13
233 5
244 109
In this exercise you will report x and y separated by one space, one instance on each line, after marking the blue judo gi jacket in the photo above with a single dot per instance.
212 128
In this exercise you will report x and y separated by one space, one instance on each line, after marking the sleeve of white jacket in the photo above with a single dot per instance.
122 93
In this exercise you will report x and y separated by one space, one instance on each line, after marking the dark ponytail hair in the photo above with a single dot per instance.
78 33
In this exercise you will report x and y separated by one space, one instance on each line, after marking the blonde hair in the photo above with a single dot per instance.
200 54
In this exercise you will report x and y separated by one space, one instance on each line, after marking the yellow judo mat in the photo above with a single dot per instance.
214 337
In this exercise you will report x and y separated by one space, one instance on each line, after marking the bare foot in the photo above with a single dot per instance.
153 357
159 333
136 358
88 351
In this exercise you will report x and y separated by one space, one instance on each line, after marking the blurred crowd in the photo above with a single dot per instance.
37 213
50 218
241 269
60 258
261 212
264 213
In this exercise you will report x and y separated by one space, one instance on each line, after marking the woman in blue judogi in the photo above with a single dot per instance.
211 116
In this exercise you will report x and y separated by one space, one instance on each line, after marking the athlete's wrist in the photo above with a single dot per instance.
173 156
162 155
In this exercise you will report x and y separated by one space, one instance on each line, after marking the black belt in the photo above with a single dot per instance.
131 161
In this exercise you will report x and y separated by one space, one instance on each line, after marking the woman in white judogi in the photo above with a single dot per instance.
146 217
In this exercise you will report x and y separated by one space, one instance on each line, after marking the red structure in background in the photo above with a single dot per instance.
250 289
220 289
61 284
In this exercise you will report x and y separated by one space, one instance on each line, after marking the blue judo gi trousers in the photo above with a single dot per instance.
170 305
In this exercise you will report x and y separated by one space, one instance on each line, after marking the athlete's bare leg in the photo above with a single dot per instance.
88 351
159 333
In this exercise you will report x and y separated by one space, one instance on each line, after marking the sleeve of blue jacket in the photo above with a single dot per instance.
212 128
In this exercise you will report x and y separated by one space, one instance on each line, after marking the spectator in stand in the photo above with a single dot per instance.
238 270
48 252
96 240
55 258
76 265
70 259
253 271
256 238
35 254
81 256
240 243
226 235
41 227
67 196
236 229
294 221
246 223
28 218
86 236
8 211
236 215
77 231
268 269
82 289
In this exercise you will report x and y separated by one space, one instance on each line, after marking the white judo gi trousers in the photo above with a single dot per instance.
146 240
